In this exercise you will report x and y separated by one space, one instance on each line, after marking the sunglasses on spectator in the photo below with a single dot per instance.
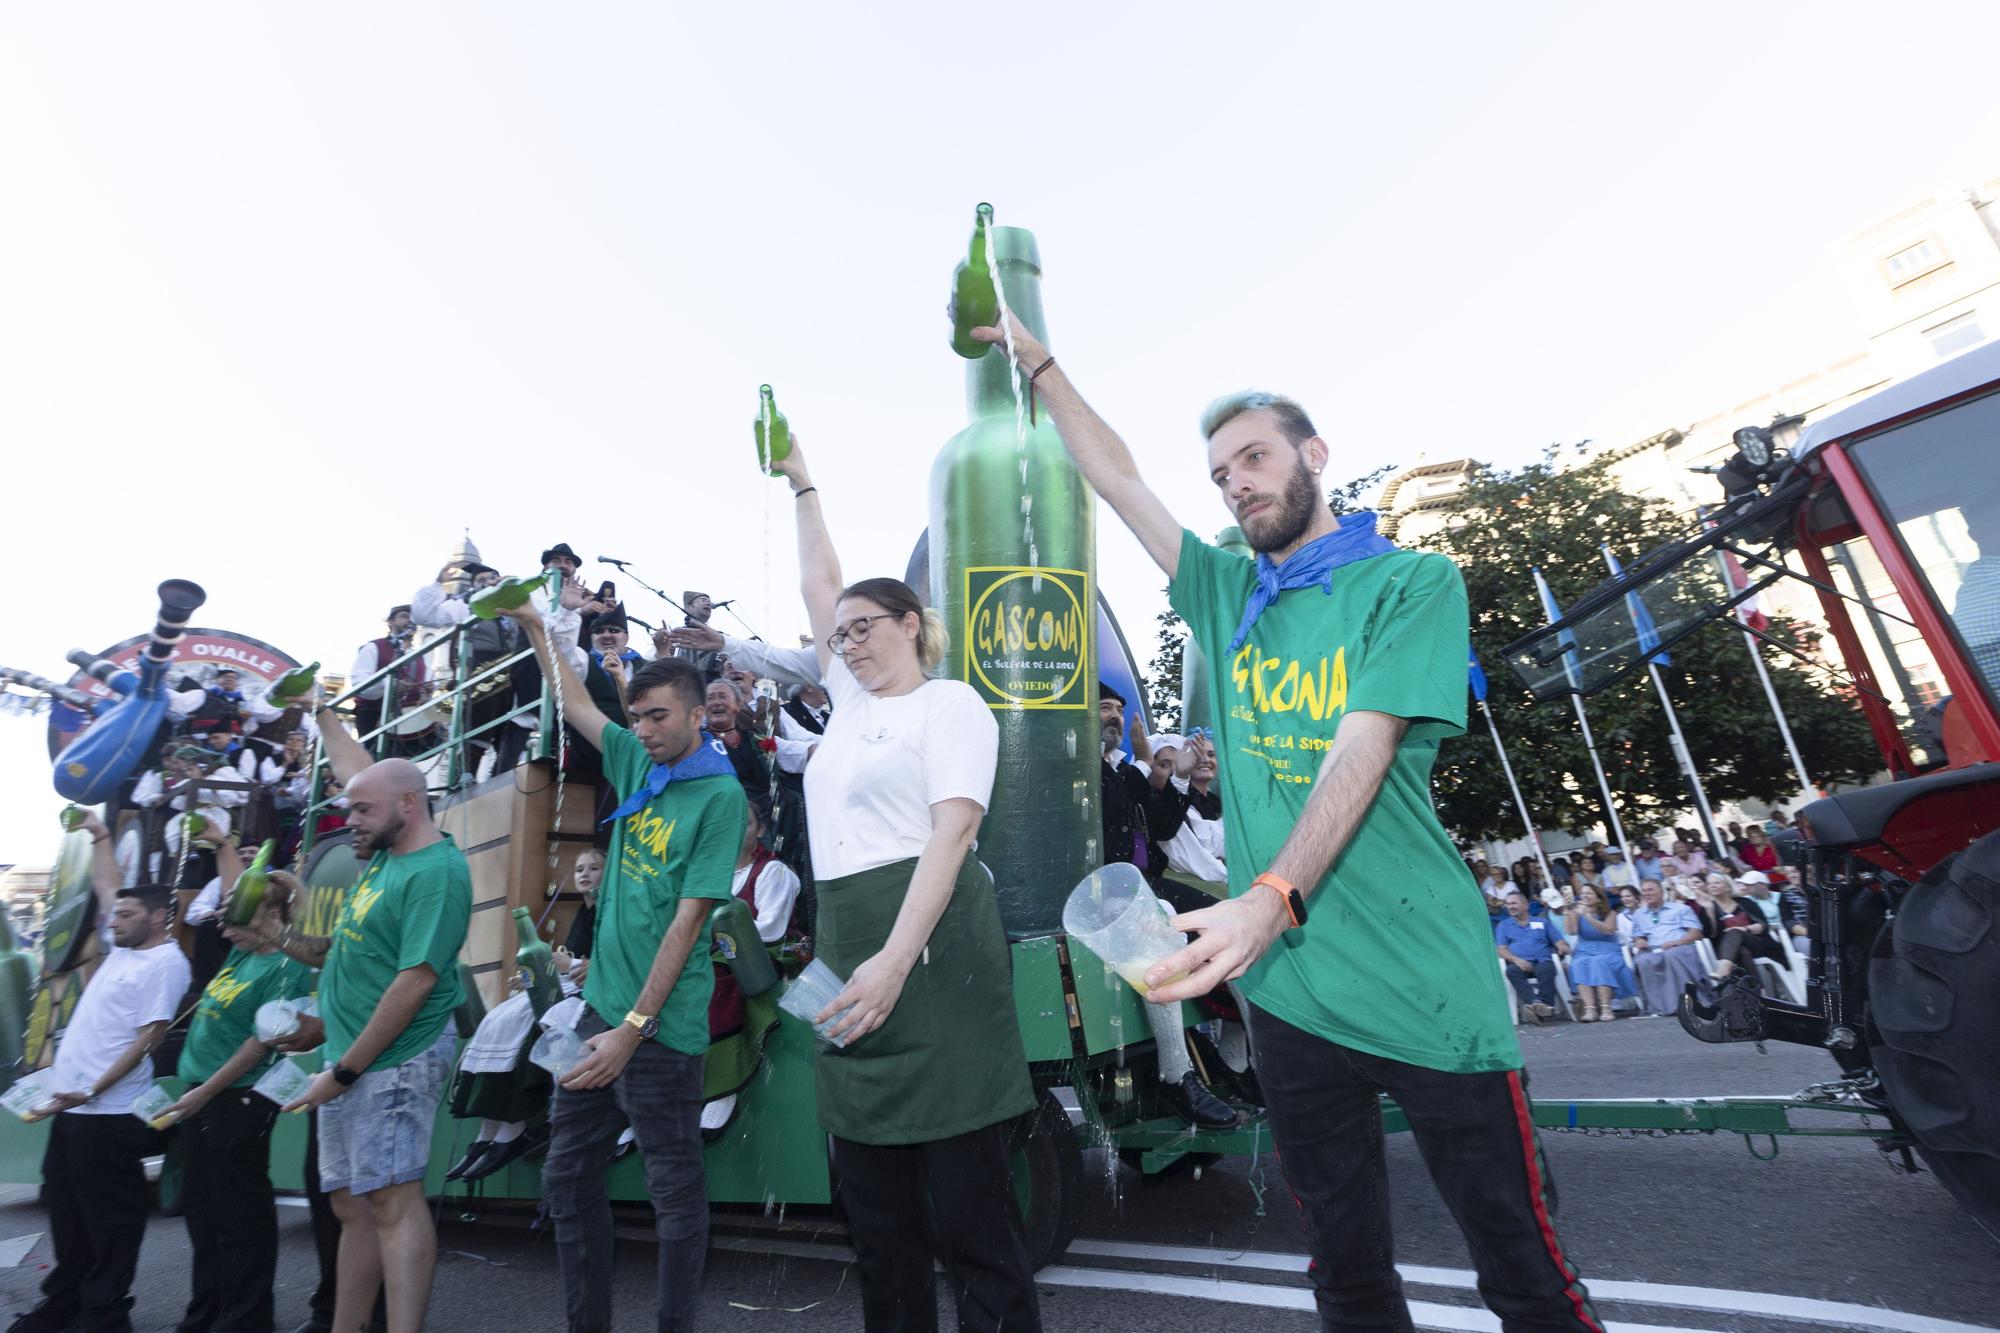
855 631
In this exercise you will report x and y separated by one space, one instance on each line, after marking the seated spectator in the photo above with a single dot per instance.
1777 823
1735 839
1663 952
1597 967
1583 870
1529 947
1757 852
1687 859
1646 865
1744 929
1628 902
586 873
1492 882
1560 868
1616 873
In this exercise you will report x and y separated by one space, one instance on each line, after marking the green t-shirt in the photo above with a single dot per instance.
226 1015
1397 955
681 844
405 911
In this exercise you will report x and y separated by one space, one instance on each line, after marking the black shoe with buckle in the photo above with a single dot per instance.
479 1148
1191 1100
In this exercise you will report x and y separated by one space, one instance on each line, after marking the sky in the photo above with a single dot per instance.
291 297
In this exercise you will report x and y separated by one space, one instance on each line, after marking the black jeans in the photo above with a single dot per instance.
96 1187
951 1199
659 1095
231 1213
1478 1142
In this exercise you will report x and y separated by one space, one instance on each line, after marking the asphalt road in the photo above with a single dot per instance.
1679 1233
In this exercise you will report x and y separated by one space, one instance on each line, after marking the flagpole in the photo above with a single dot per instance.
1583 723
1806 790
1642 627
1520 803
1685 759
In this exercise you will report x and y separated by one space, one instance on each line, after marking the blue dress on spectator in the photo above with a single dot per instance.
1599 960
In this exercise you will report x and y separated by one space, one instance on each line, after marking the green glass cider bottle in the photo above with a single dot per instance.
291 687
72 818
773 432
248 894
974 303
538 961
1013 569
507 594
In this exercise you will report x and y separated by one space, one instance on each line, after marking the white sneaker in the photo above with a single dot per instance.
715 1114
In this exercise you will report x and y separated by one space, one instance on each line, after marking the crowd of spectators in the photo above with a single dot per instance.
1638 930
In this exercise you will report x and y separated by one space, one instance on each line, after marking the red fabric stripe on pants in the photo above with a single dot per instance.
1531 1158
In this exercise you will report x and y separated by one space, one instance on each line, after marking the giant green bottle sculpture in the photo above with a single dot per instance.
1014 570
17 998
1197 704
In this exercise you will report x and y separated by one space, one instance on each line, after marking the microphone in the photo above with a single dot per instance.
719 605
611 560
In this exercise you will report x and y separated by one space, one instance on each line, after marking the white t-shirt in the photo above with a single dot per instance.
885 761
131 988
777 892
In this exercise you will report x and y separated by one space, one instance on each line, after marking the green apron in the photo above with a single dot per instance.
949 1059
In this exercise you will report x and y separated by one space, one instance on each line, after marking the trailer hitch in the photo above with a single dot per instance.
1735 1014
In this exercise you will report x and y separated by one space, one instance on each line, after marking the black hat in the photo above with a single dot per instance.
612 619
472 568
560 549
394 611
1105 691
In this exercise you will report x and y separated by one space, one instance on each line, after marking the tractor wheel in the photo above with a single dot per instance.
1047 1165
1934 1000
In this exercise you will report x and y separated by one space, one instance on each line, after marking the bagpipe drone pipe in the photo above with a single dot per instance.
90 767
43 685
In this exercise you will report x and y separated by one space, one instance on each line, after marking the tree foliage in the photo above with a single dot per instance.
1163 679
1507 522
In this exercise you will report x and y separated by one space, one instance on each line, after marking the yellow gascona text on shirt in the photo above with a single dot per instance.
1276 685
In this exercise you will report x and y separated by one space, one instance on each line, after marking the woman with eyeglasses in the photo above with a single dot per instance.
929 1069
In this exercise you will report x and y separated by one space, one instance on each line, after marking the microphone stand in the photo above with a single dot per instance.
748 628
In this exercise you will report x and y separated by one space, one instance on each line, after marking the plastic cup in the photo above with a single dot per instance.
811 991
277 1018
558 1050
282 1083
29 1091
1114 914
148 1105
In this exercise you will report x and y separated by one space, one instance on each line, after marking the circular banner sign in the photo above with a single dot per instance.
199 656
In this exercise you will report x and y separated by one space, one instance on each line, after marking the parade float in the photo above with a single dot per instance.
1901 991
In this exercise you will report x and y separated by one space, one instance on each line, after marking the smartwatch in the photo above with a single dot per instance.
344 1076
646 1025
1294 901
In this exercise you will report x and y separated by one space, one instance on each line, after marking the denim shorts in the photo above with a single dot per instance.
378 1132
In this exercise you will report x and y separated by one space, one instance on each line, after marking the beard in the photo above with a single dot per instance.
1289 515
367 844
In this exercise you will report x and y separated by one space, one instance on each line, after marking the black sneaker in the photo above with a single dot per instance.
41 1319
1191 1100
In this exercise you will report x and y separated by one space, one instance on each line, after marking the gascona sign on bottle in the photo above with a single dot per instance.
1026 640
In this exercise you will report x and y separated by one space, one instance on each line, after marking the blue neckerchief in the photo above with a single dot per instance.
1312 564
708 760
629 655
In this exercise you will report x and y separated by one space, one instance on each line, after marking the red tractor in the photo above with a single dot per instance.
1890 510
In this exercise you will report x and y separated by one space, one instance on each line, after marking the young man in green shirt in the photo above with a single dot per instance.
388 986
225 1127
1338 666
674 837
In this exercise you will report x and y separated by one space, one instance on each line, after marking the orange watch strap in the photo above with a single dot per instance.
1285 889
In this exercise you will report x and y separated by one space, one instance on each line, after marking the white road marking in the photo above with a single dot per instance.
1427 1315
1823 1314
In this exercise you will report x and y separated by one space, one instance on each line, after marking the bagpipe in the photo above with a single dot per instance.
90 767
